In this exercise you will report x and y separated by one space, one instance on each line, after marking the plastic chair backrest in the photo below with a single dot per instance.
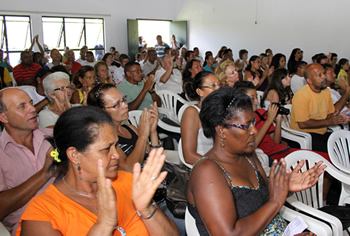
134 117
190 224
339 150
169 101
181 155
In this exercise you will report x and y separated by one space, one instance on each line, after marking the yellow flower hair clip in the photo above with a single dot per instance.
55 154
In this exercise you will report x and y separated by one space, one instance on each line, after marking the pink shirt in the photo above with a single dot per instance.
18 163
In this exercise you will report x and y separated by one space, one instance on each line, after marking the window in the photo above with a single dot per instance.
60 32
15 36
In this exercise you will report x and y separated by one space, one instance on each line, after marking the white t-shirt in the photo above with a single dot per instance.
297 82
80 61
173 84
31 91
48 118
335 97
148 67
86 63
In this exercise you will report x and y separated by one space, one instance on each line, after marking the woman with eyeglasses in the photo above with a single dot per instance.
133 142
228 192
194 143
58 90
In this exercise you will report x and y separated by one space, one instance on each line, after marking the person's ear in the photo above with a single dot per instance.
80 80
3 118
73 155
38 80
220 131
199 92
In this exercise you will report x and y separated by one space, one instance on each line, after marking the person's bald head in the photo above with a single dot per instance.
315 77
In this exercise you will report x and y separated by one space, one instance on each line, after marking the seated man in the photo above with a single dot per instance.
90 59
24 72
168 78
139 91
298 79
313 110
37 93
24 156
119 73
82 58
340 101
151 63
72 65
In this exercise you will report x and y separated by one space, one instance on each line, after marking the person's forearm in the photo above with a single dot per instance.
40 105
100 229
278 136
339 105
41 49
134 105
312 124
165 77
15 198
154 138
160 224
262 132
156 99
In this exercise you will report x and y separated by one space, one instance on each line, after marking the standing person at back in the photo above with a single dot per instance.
160 46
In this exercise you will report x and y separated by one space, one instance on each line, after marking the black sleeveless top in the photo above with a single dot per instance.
247 201
127 145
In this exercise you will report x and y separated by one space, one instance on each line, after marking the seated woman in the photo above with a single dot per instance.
255 74
108 58
268 137
192 68
194 143
133 142
295 56
228 192
94 198
58 90
341 68
278 61
227 73
209 63
278 90
84 80
102 73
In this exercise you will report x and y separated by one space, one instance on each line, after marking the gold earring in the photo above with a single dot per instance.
222 144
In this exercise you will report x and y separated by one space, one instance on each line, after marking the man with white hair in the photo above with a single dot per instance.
24 156
168 78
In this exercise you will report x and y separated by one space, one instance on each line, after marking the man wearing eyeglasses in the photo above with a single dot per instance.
139 91
24 156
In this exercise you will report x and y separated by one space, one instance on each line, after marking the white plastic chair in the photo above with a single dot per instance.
309 200
14 83
3 230
169 101
134 117
339 150
181 155
264 160
304 139
315 226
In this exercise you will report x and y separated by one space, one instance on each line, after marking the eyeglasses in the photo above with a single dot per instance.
64 88
241 126
211 86
117 104
137 71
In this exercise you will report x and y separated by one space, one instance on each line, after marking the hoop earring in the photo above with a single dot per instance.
79 171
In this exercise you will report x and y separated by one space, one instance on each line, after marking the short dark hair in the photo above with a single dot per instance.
123 56
220 106
333 55
320 58
242 52
104 58
41 73
244 85
128 65
112 48
90 52
77 127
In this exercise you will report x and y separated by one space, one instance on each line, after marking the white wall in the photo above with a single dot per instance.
313 25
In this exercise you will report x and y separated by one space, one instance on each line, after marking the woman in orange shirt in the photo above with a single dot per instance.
96 201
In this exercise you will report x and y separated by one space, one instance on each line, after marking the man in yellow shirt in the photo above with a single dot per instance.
313 109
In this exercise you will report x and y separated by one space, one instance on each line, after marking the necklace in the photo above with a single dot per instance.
81 194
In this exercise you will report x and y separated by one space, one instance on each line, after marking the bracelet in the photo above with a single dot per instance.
121 230
152 214
152 92
157 146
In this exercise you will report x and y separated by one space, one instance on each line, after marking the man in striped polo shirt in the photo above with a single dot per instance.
24 72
